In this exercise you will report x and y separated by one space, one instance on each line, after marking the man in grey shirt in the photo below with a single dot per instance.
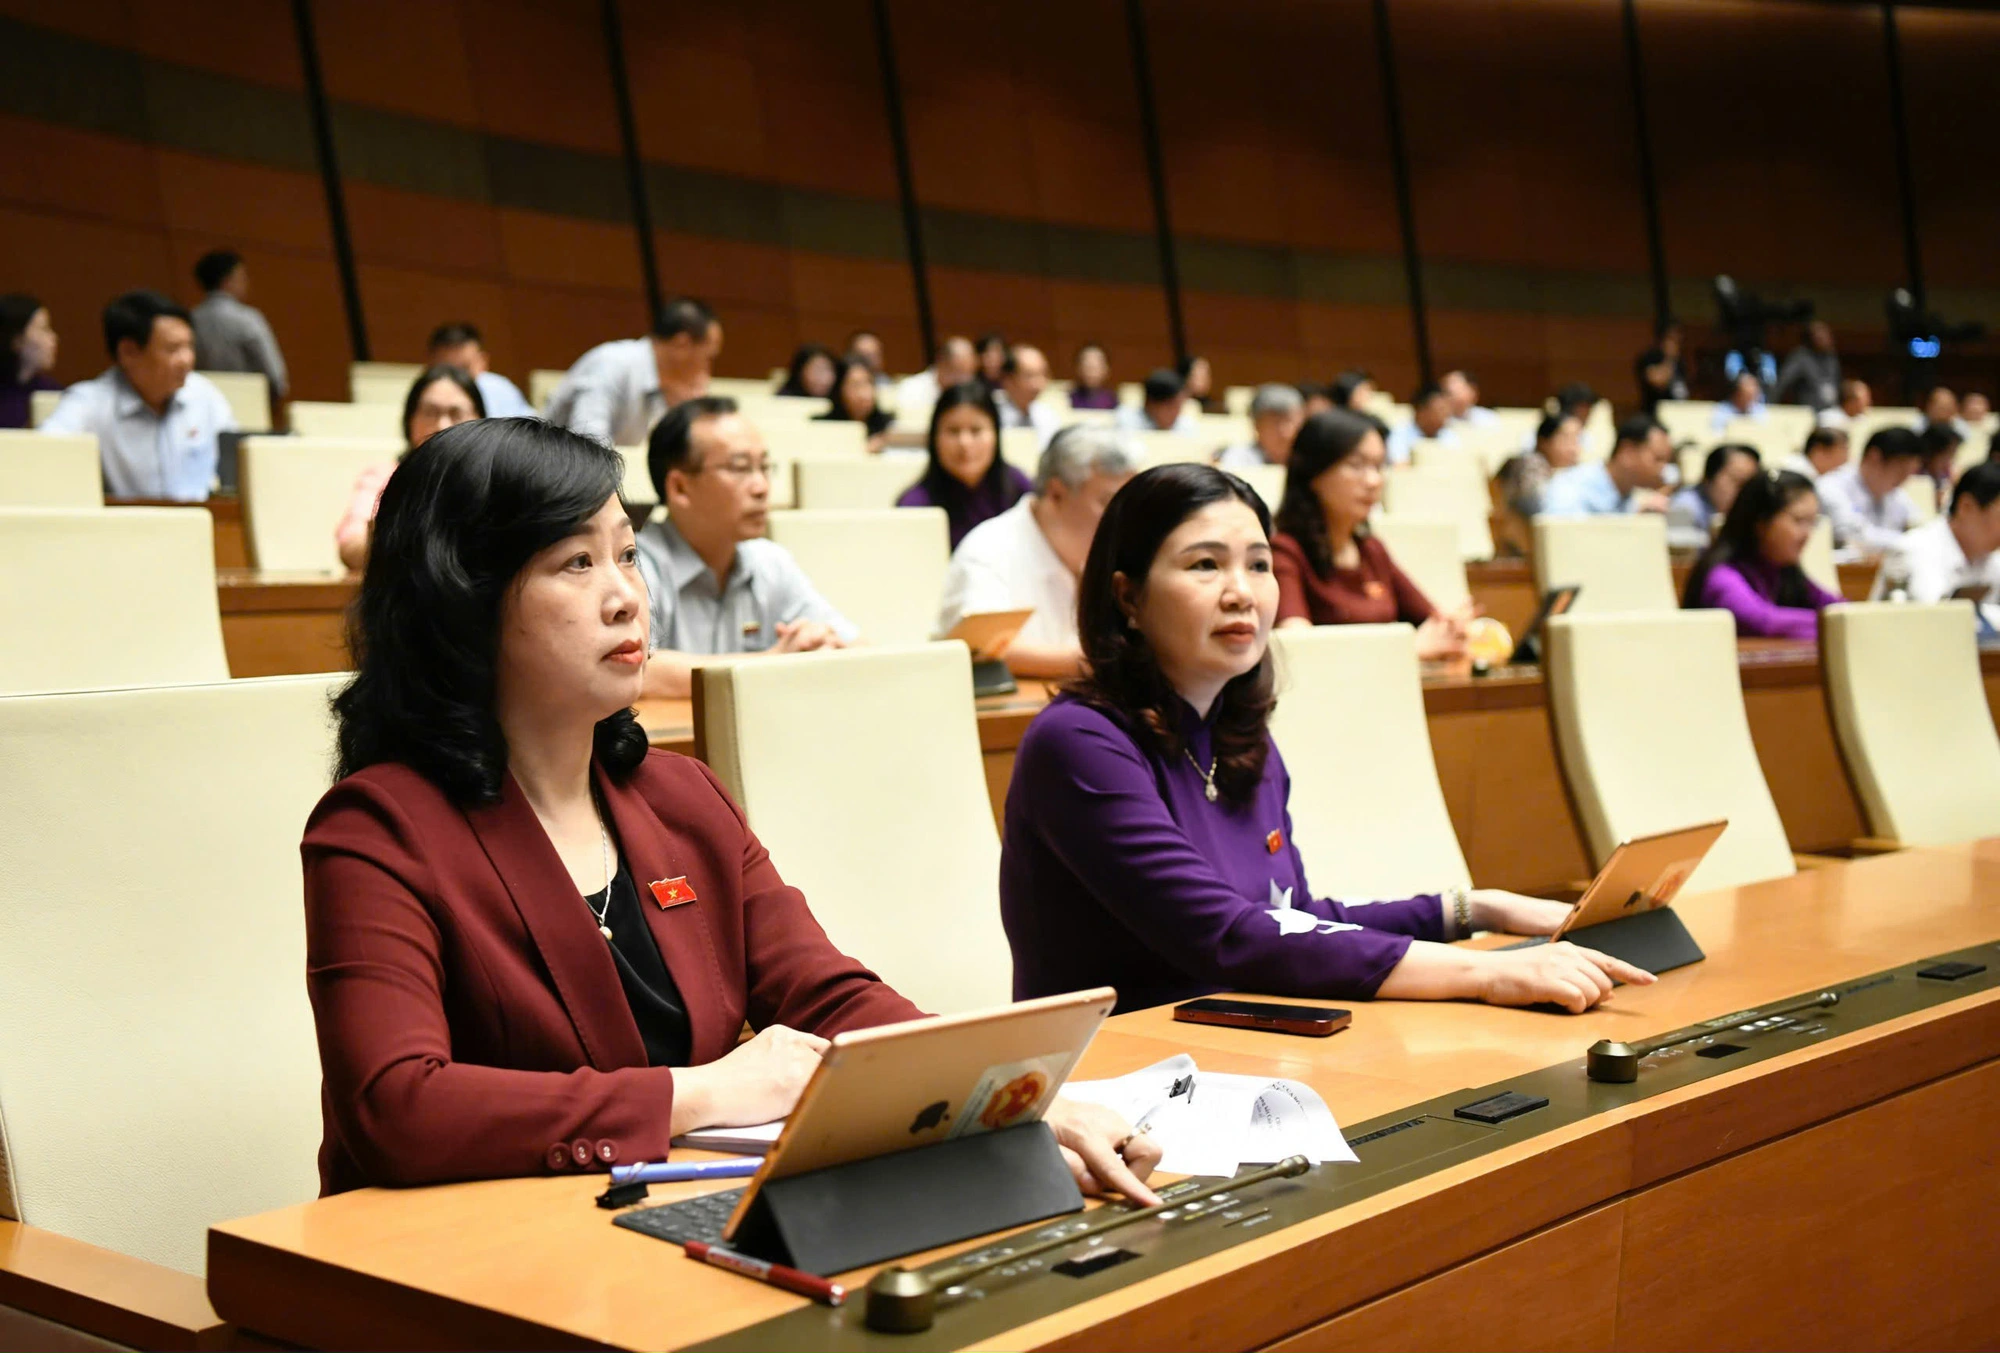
1811 373
617 391
232 335
714 584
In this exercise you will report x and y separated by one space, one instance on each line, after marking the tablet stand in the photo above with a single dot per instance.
844 1216
1654 940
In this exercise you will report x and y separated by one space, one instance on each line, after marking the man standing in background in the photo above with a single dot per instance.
230 334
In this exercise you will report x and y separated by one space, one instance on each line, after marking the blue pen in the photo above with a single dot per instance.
681 1172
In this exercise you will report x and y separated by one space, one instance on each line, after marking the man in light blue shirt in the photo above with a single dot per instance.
1628 481
155 418
1430 421
1166 399
460 345
619 390
1461 391
1018 399
1745 403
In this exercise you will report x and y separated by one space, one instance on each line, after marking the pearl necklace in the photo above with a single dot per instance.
1207 775
604 845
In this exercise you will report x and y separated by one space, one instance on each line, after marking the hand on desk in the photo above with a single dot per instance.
1090 1136
1562 973
804 636
758 1082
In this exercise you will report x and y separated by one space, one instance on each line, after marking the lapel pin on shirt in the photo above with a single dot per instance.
751 628
1372 590
672 892
1274 841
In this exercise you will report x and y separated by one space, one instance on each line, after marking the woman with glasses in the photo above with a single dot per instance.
1752 570
440 397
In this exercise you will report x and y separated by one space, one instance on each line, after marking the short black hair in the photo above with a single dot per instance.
1426 392
1341 392
1895 443
1819 437
1163 384
1980 485
671 447
430 376
1937 437
1313 390
132 316
212 269
17 310
1713 464
1550 425
460 518
683 315
455 334
1635 430
1575 393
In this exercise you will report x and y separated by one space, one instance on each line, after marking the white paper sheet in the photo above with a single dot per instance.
1219 1122
756 1140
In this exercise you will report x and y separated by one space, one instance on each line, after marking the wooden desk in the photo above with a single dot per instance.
275 624
231 551
1840 1194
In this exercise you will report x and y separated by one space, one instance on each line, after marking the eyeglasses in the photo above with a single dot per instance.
1360 466
743 467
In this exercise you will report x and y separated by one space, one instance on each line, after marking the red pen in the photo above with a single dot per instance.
791 1279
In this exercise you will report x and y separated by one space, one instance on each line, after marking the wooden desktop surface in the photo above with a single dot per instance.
1839 1195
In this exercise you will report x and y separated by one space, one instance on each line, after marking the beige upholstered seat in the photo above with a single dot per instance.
810 437
881 567
1620 561
855 481
295 492
1922 492
46 469
381 382
1174 448
1411 491
1910 712
158 1071
542 384
1367 810
1022 449
118 597
1687 420
42 403
1652 734
249 396
314 419
1269 482
1817 560
1426 548
861 773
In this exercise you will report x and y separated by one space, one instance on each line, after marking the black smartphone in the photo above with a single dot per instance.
1311 1021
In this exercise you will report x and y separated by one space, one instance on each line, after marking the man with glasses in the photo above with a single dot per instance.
715 584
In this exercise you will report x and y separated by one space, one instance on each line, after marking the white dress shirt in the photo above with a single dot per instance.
612 393
145 454
1928 564
1860 519
1007 564
1039 416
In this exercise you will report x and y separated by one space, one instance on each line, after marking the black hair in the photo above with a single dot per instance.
1345 384
683 315
1426 392
1895 443
1121 675
1573 394
430 376
1185 367
212 269
878 419
1718 458
133 315
1938 437
1635 430
1819 437
460 518
671 447
1667 323
17 308
946 489
990 338
1763 496
1313 390
1550 425
1323 441
794 382
1980 485
456 334
1163 384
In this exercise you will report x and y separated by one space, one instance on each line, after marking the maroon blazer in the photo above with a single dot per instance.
471 1024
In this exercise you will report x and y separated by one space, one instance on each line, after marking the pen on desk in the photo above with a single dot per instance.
777 1275
682 1172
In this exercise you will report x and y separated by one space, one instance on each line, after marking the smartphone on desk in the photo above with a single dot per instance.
1311 1021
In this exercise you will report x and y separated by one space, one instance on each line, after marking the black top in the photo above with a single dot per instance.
649 988
1650 395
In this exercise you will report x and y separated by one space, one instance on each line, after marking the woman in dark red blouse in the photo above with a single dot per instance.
1331 571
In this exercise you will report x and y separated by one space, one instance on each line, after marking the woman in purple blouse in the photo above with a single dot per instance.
966 476
1148 843
1091 387
1752 569
27 351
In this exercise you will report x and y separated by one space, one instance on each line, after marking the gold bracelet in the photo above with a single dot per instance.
1461 912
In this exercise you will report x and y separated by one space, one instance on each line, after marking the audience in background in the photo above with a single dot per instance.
811 374
1353 390
855 400
461 345
1198 380
955 363
1090 386
1628 480
1959 550
965 474
440 397
1940 406
27 355
1695 512
1461 391
1029 556
1864 496
1974 409
1022 381
991 350
1558 446
1745 403
1659 368
1752 569
1579 401
1940 442
157 420
1825 451
1331 570
1855 397
866 345
1758 362
1314 397
1430 421
232 335
1811 373
1276 413
713 583
619 390
1165 402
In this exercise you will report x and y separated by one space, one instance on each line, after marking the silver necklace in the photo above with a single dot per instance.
604 845
1207 775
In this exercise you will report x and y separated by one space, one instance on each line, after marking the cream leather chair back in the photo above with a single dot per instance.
1817 561
314 419
1022 449
1174 448
855 481
1687 420
1652 733
249 396
1620 561
542 384
769 411
120 597
158 1070
42 403
1367 810
1922 492
806 437
381 382
295 491
1426 548
881 567
1412 491
1269 481
861 773
1910 712
47 469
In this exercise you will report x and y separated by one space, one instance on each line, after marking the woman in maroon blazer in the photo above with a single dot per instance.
531 942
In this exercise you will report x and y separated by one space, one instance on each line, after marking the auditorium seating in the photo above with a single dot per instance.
1652 736
42 403
1817 561
1367 810
860 771
798 437
122 597
542 384
1411 491
42 469
313 419
249 396
1426 548
854 481
381 382
295 492
1022 449
1269 481
162 1074
1922 492
881 567
1620 562
1910 714
1173 448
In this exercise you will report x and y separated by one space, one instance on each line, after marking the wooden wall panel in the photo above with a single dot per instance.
1948 62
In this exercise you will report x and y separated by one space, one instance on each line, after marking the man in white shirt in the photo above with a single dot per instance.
1863 497
1462 393
1030 556
1166 400
1954 551
957 362
1430 421
619 390
1022 381
1277 412
461 345
1825 451
1745 403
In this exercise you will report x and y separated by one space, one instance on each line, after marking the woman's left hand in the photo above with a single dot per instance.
1498 909
1090 1136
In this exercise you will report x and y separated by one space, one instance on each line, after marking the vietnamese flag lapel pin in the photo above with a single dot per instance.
672 892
